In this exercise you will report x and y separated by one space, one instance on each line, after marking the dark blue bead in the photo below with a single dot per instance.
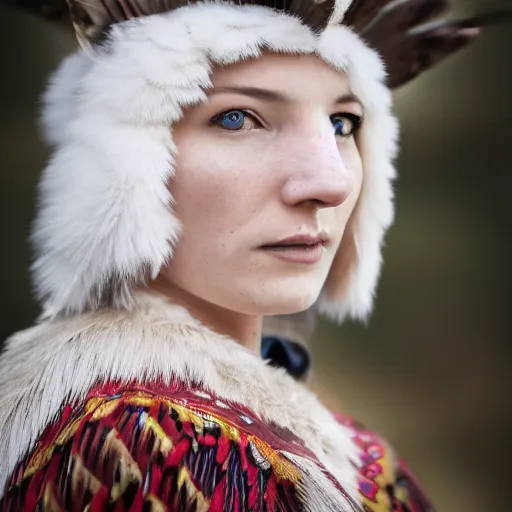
284 353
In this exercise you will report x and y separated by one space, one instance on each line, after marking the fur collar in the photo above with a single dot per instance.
60 360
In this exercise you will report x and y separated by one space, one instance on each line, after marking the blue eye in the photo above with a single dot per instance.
345 125
231 120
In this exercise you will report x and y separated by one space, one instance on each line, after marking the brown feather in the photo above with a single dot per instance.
409 48
394 22
362 12
417 53
389 26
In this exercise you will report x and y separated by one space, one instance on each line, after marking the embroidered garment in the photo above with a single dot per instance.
384 483
151 410
173 448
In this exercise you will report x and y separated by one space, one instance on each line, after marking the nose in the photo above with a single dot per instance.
317 172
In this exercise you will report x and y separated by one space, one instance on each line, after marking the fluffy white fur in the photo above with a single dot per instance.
353 294
105 221
58 361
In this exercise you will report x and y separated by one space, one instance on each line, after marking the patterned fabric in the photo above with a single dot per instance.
132 448
385 483
158 450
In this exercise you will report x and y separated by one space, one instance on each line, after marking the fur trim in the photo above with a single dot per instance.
350 287
58 361
106 224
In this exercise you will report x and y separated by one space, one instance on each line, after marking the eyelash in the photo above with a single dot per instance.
355 119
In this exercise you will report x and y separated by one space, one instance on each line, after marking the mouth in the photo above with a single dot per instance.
308 253
301 240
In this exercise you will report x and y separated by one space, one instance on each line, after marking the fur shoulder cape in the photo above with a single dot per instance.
59 361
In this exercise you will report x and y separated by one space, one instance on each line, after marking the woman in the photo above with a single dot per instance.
213 164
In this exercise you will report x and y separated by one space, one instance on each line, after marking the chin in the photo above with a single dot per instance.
282 301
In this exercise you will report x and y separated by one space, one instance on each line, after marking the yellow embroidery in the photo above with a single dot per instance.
105 408
184 480
39 459
166 443
93 403
283 469
50 502
127 468
83 479
155 504
101 407
382 502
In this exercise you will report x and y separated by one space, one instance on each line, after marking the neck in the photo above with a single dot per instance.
245 329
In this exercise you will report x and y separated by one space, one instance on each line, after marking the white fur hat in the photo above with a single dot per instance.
105 222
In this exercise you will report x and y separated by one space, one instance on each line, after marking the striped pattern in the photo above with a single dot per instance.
138 450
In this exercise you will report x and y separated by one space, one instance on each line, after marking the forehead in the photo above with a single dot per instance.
300 77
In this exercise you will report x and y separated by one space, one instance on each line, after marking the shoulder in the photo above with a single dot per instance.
46 374
385 481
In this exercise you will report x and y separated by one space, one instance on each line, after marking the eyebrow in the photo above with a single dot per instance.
274 96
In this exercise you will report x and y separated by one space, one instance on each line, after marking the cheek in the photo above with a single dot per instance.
215 190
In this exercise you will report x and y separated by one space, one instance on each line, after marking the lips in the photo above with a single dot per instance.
305 241
294 246
308 249
298 253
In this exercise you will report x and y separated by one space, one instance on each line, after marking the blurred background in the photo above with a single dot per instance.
431 369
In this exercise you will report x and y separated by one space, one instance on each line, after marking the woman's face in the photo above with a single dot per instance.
269 156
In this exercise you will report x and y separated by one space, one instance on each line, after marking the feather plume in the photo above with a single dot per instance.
390 26
400 16
410 46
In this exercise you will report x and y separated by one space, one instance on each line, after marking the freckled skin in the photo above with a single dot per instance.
283 174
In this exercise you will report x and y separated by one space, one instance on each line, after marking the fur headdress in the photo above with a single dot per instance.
105 223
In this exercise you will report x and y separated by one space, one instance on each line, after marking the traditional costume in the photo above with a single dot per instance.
118 399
